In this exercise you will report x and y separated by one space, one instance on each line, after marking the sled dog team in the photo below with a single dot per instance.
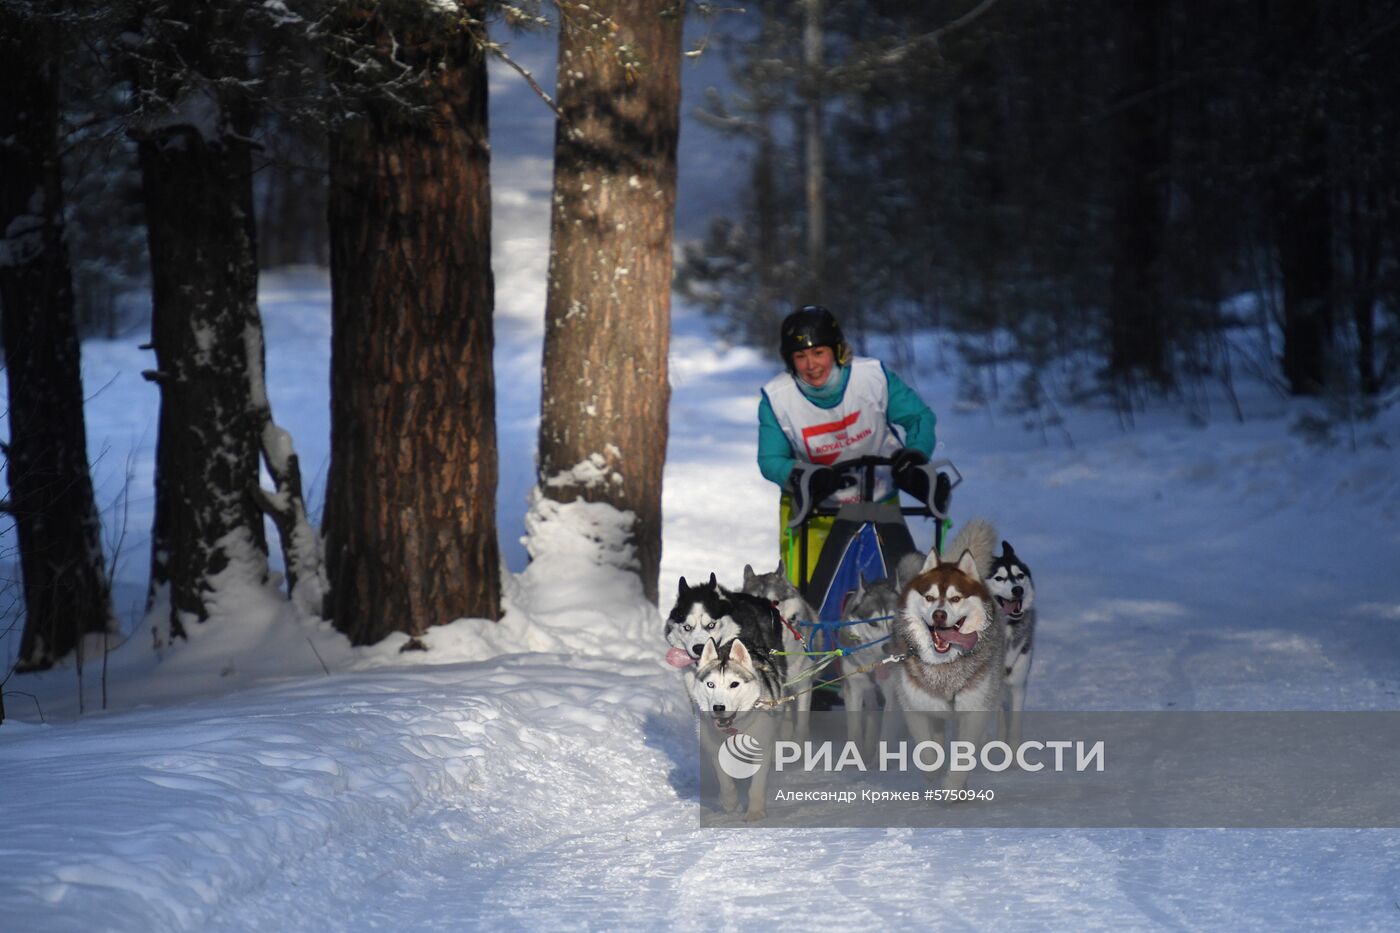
962 627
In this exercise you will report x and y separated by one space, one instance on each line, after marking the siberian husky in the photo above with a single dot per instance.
953 643
711 612
778 590
734 689
875 604
1011 586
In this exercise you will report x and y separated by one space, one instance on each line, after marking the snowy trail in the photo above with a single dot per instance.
552 792
542 771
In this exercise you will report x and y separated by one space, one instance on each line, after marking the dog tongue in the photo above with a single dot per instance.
678 657
952 636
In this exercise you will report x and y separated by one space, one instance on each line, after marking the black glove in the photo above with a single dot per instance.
907 475
823 483
905 459
809 485
941 491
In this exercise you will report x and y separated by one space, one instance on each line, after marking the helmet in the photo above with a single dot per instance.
812 326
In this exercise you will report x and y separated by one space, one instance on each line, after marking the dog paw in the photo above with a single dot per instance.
729 804
754 816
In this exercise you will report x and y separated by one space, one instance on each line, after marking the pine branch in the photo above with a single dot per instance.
900 55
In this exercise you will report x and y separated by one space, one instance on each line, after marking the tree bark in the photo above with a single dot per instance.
605 392
411 495
66 590
814 156
196 170
1303 201
1137 316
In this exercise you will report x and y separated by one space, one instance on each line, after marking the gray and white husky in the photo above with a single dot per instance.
794 610
735 688
876 605
954 643
1011 586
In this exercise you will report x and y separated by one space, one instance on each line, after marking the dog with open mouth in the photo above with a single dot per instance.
952 641
735 690
1011 586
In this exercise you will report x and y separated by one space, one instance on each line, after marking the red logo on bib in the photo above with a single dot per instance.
825 442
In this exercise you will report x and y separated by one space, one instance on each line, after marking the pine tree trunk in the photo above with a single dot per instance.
66 590
814 154
1137 332
411 496
1303 204
605 393
205 328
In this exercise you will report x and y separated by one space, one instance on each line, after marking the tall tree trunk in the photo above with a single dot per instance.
196 170
411 496
767 223
813 150
1365 248
1302 201
66 590
1136 312
605 393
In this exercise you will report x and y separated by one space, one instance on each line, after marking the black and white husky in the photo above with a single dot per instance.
711 612
1011 586
736 690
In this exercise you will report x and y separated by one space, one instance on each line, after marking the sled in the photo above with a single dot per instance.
866 538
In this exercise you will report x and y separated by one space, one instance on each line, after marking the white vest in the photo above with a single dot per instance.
857 426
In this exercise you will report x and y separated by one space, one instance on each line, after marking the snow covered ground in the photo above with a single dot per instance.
542 771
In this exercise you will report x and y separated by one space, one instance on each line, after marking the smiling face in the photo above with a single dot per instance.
813 365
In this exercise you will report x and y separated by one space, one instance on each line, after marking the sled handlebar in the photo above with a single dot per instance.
942 477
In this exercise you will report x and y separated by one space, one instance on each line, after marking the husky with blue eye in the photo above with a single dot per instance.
1011 586
711 612
736 692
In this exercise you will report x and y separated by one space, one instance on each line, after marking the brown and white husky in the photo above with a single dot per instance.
947 627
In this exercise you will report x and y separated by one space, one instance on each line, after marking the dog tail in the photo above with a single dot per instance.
977 536
908 568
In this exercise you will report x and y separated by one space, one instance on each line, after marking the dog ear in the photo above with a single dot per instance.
930 562
709 655
782 567
1006 552
714 581
684 589
968 565
739 655
748 574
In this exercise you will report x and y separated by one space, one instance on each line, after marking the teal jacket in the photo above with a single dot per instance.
907 411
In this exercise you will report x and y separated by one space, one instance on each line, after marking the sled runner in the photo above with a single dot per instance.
836 546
